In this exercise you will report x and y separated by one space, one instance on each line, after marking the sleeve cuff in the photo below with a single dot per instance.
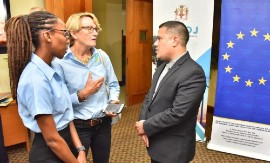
74 98
147 129
113 98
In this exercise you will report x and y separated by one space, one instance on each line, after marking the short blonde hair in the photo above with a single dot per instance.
73 22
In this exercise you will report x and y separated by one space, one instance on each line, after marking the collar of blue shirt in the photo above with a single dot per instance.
45 68
69 53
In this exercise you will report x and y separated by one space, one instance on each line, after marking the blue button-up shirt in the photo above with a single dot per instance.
75 75
42 91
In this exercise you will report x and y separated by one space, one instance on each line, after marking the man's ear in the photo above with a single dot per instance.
47 37
176 40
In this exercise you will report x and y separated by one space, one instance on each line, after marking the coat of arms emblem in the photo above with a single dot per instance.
181 12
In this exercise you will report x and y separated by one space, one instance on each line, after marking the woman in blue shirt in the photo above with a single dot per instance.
86 70
43 99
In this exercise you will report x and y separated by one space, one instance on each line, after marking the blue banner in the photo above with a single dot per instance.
241 123
243 86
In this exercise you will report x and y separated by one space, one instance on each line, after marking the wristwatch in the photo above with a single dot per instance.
80 98
81 148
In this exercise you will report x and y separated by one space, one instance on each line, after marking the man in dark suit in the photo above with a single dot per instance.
169 112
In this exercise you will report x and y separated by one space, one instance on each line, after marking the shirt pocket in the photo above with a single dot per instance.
60 100
98 71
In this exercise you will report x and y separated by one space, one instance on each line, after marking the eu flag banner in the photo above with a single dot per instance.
241 118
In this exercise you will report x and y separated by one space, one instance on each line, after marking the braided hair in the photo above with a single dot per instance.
23 32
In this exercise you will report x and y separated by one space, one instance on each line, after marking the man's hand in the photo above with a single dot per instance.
139 127
91 87
140 130
145 140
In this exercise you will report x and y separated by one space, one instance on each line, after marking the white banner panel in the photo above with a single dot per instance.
241 138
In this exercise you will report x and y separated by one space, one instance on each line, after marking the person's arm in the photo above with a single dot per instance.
77 143
55 142
144 107
187 101
111 78
36 95
149 95
91 86
56 65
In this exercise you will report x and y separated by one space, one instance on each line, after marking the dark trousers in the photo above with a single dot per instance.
153 161
41 153
3 153
98 138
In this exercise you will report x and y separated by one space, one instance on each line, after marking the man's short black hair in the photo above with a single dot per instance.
179 28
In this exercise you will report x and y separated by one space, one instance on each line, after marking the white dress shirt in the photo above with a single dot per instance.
168 66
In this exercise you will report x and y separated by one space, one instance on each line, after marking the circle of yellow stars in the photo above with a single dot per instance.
226 56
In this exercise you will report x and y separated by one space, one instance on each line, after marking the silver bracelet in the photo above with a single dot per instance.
83 100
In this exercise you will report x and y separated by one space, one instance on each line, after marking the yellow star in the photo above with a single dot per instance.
236 78
226 56
248 83
266 37
230 44
254 32
262 81
240 35
228 69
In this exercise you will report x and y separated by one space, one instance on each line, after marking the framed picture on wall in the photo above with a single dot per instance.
4 16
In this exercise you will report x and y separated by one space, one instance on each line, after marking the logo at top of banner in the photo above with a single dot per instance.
181 13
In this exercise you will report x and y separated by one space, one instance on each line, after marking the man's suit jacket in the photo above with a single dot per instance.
170 116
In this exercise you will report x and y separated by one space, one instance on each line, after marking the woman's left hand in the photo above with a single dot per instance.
111 114
115 102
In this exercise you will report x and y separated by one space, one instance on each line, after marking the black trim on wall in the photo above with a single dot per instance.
7 6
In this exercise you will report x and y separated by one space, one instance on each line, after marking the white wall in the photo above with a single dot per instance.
21 7
4 76
17 7
109 14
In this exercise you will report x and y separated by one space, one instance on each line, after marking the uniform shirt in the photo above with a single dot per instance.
42 91
75 75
